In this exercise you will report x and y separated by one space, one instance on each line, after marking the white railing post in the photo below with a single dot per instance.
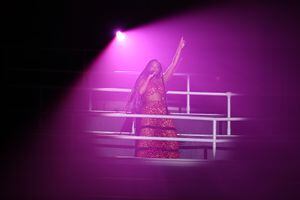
133 127
228 94
214 145
188 89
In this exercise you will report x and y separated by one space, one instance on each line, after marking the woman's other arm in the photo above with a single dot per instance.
143 85
141 88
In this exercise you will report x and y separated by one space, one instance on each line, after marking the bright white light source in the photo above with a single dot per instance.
120 36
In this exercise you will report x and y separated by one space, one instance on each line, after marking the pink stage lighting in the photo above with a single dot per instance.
120 36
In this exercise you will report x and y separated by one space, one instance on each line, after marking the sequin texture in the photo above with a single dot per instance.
154 102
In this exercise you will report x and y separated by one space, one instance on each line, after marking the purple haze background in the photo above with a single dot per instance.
241 48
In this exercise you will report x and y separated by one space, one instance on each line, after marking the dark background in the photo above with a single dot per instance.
48 43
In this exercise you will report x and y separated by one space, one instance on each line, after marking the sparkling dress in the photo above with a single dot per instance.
153 101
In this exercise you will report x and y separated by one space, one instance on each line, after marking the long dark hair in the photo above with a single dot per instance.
134 101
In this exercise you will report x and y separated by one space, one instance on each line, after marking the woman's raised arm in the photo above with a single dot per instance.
171 68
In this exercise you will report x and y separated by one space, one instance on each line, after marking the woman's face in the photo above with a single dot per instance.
155 67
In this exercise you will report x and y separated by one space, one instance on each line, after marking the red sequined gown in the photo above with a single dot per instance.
154 102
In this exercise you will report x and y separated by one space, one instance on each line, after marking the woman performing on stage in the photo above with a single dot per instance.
149 97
